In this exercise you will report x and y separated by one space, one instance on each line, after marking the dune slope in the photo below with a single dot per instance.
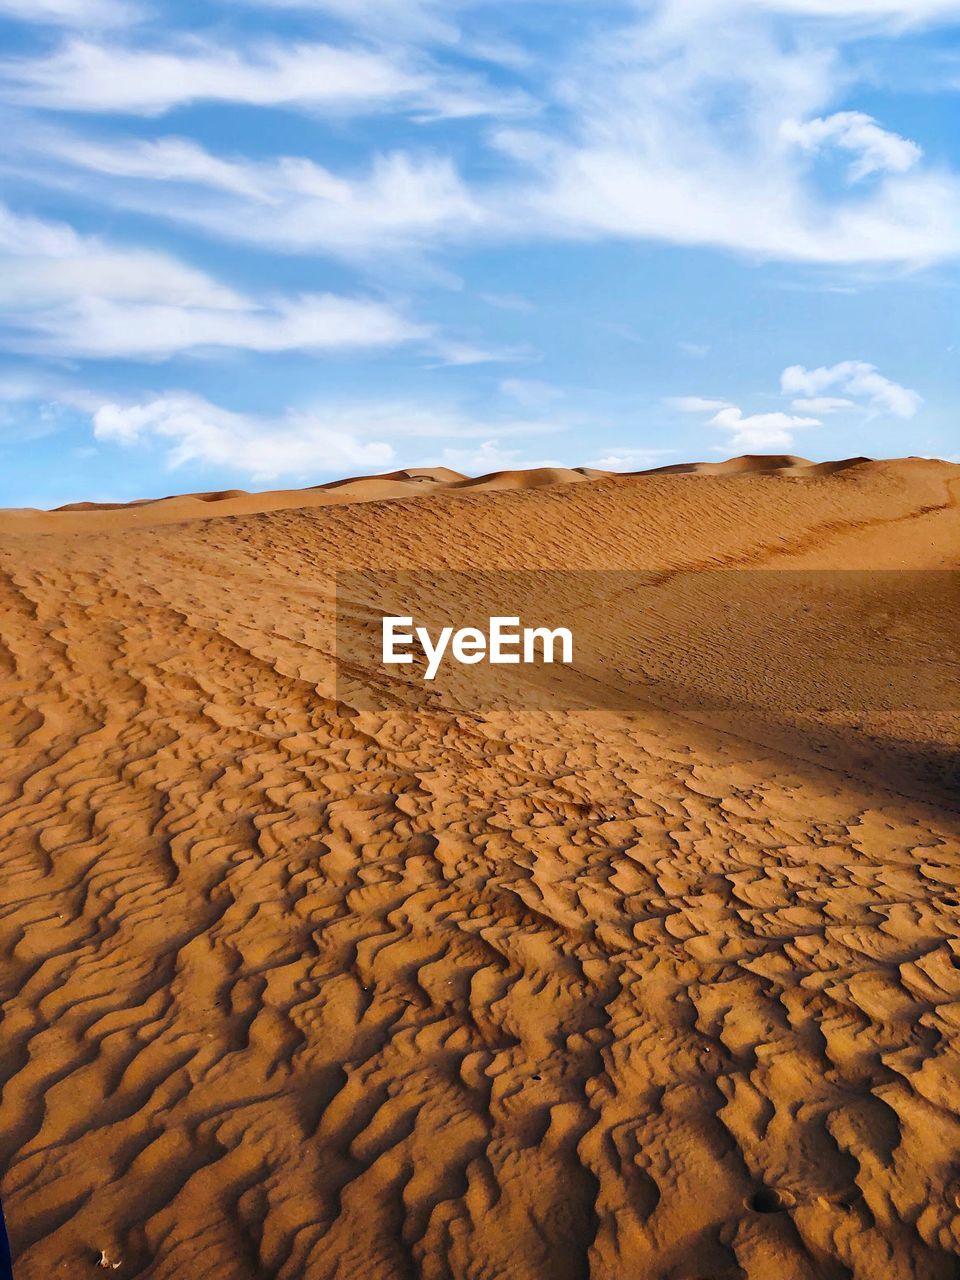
296 990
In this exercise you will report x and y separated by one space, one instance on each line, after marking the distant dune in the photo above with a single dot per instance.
378 488
756 464
294 989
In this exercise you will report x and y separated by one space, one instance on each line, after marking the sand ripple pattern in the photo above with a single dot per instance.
291 991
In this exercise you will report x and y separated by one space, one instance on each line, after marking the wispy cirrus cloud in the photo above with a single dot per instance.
67 294
399 202
46 262
703 124
141 329
640 145
89 75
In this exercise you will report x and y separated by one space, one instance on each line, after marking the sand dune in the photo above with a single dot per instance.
87 516
296 990
538 478
755 464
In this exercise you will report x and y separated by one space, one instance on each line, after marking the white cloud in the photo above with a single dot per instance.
857 379
699 124
877 150
65 294
102 328
823 405
191 430
163 160
673 132
49 262
86 75
195 431
864 385
290 204
760 430
457 354
697 404
746 432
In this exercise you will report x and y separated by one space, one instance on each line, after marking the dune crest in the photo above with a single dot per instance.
141 513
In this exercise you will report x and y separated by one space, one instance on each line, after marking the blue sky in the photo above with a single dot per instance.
264 243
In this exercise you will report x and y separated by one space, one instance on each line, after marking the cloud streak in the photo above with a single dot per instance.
65 294
288 204
111 77
639 147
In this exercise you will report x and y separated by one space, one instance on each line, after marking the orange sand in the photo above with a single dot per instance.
295 991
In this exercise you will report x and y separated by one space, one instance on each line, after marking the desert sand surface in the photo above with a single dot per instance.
296 989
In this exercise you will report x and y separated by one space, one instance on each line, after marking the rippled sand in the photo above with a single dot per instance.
292 990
